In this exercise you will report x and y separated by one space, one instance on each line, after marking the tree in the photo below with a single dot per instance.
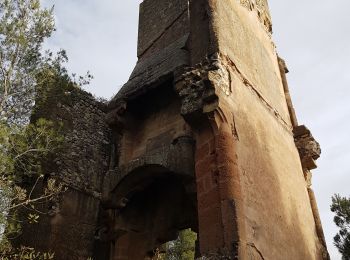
183 248
21 154
341 207
25 145
24 26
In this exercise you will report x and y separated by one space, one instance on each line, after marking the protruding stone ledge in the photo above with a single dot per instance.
115 116
309 149
198 88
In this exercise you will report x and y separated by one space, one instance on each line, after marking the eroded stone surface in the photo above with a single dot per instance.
202 136
309 149
70 225
159 18
261 8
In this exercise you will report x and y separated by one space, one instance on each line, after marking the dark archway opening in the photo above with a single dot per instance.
152 206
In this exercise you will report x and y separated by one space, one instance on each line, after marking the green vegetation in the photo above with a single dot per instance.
183 248
23 28
27 142
341 207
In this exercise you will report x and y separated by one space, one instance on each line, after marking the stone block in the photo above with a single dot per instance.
156 18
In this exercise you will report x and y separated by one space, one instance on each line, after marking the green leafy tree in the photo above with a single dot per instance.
24 25
25 69
341 207
183 248
23 151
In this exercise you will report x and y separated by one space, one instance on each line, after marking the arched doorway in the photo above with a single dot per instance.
150 206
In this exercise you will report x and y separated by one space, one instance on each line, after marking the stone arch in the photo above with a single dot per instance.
149 206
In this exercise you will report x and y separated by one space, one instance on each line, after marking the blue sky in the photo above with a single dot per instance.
312 36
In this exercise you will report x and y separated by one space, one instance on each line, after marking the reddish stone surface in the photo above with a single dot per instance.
201 138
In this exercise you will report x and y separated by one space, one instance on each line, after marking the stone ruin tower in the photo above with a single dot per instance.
202 136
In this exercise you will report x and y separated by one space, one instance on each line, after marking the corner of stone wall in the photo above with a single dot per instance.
80 164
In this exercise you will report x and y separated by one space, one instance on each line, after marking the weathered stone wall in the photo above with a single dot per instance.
253 194
277 205
260 172
253 197
154 174
71 223
164 28
161 23
203 135
249 47
261 9
278 218
86 145
152 133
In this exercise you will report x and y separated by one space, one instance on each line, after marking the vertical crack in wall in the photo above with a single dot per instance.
252 245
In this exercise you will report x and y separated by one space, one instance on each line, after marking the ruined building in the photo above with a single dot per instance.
202 136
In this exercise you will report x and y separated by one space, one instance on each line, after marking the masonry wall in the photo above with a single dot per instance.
202 138
161 23
68 229
154 174
278 219
156 124
253 200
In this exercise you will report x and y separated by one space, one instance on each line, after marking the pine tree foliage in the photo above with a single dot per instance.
341 207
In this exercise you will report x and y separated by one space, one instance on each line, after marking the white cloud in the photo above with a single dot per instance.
99 37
